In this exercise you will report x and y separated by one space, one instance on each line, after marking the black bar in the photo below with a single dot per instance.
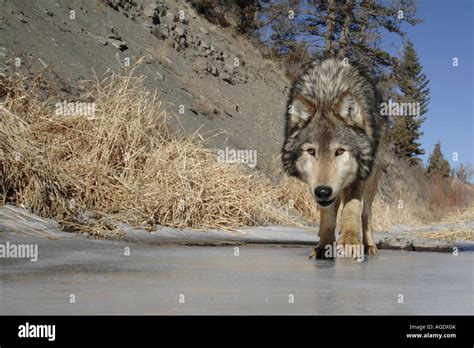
224 330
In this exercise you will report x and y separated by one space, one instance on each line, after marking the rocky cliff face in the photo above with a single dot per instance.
210 81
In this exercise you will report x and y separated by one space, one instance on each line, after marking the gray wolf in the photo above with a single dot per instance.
333 142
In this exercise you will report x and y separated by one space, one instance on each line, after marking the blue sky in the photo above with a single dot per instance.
447 32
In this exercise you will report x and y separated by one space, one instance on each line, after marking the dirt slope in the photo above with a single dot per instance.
221 84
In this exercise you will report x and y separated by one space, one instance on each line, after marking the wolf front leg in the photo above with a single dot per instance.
327 229
367 232
349 241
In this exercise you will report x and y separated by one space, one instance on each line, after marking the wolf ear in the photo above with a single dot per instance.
347 108
300 111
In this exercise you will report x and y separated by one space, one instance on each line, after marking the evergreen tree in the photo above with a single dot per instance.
349 29
437 164
413 86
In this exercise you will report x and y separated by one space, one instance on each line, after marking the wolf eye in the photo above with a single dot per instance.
311 152
340 151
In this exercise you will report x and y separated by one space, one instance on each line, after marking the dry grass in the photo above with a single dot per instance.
450 233
448 196
457 227
404 212
122 163
460 231
297 197
459 215
408 196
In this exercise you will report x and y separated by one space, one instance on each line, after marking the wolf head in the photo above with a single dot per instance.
332 128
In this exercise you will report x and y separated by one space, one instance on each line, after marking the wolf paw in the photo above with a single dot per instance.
349 244
319 252
371 250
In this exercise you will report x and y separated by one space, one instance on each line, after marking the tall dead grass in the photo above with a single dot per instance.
121 163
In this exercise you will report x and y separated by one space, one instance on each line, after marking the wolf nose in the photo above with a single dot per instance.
323 192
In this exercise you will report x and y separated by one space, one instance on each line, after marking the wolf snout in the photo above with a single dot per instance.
323 192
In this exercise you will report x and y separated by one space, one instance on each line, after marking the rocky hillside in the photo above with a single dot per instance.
211 81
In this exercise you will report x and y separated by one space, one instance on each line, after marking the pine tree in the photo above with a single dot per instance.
413 86
281 27
437 164
349 29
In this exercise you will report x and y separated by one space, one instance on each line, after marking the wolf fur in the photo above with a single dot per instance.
333 141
